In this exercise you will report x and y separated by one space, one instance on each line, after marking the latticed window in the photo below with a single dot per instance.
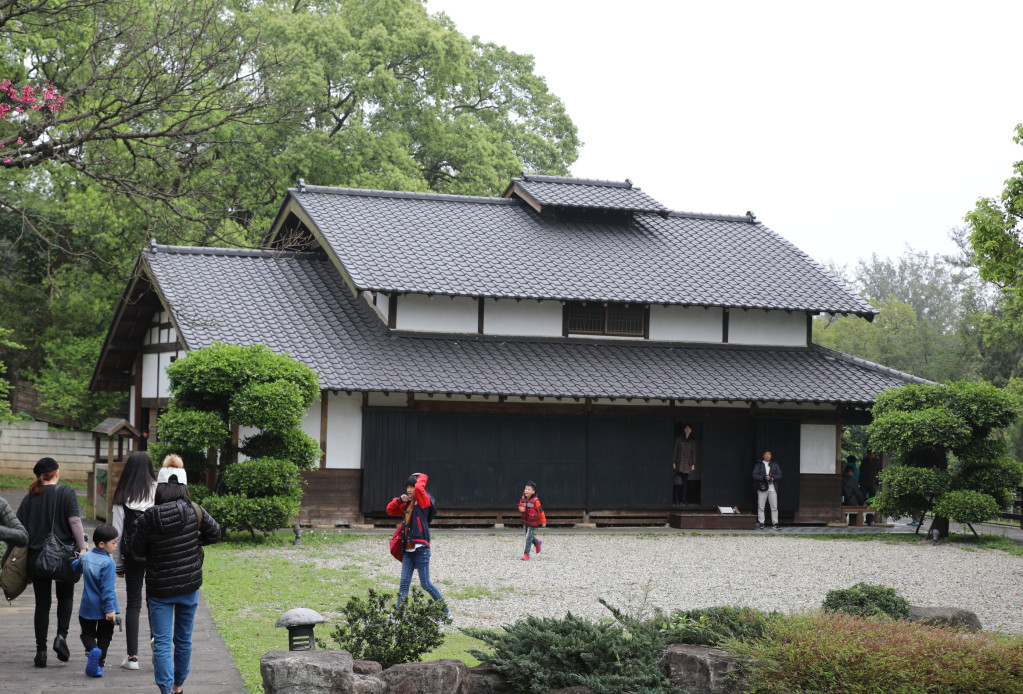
595 318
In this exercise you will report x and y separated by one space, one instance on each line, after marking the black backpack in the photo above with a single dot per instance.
131 517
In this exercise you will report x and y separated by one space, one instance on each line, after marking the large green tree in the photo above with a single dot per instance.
947 451
996 229
186 122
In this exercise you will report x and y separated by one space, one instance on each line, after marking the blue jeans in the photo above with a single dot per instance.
531 540
418 561
171 620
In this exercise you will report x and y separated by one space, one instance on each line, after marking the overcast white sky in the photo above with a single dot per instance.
848 128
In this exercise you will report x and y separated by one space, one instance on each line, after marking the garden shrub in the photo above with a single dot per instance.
265 514
966 506
294 445
865 600
275 406
539 654
262 494
192 430
263 477
843 654
711 626
372 629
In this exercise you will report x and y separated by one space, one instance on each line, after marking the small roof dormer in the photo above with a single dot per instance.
581 199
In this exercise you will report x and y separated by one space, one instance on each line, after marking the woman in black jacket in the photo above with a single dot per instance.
170 535
50 504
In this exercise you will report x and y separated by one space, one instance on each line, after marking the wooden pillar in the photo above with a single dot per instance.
110 450
323 428
211 469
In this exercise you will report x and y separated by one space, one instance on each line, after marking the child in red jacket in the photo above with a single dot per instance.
532 517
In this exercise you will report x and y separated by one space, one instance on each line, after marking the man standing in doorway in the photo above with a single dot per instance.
764 475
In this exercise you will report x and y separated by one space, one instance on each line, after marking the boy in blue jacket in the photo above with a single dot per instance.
98 608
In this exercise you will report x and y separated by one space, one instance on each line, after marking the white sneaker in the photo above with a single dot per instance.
130 663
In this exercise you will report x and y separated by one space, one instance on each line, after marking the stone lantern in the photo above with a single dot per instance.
300 622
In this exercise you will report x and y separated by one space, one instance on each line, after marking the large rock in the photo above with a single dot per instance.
307 672
945 617
366 667
485 679
434 677
698 669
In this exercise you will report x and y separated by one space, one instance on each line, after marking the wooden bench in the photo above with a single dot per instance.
859 515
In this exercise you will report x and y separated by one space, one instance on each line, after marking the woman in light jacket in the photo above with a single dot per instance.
50 504
134 494
170 535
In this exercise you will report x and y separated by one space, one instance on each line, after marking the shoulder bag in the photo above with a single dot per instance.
14 574
54 559
397 546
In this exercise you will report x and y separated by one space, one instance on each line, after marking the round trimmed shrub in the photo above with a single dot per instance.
263 477
275 406
294 445
864 600
966 506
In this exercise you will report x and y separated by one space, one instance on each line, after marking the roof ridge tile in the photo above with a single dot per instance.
399 194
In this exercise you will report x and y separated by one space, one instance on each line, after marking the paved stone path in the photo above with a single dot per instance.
213 669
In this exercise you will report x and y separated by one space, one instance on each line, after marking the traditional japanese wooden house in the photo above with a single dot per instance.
559 333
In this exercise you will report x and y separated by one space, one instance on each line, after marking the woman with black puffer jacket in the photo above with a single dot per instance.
170 536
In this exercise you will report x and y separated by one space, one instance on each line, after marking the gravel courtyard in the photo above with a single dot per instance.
486 583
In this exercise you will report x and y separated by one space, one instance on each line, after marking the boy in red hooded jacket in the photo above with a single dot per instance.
532 517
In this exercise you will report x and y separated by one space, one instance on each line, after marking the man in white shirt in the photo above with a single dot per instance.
764 475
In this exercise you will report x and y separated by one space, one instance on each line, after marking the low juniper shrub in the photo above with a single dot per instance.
537 655
374 629
711 626
864 600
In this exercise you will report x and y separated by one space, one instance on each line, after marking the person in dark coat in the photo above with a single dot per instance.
851 494
765 474
50 504
683 464
170 536
11 530
870 468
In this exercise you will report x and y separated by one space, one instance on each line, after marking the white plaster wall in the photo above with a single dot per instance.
244 433
756 327
442 314
817 449
685 323
344 431
383 305
150 375
531 318
131 402
311 421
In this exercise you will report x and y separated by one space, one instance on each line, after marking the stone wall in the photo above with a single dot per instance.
23 443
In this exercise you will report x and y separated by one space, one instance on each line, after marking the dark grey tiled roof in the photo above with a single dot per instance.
443 244
297 303
555 191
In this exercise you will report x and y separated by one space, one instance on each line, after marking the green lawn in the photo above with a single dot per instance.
9 481
250 585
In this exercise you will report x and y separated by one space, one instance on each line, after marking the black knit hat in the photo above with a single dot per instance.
44 465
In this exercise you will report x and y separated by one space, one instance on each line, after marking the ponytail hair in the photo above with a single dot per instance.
36 488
